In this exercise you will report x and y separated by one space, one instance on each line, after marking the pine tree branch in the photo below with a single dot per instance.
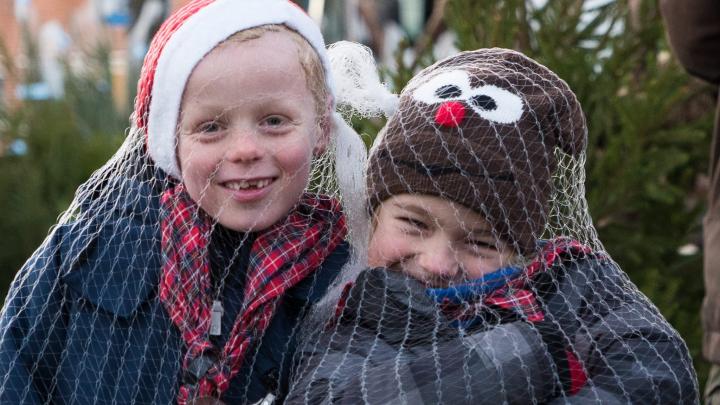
369 13
433 28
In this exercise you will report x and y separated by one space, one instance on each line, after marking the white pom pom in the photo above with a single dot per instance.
351 157
358 85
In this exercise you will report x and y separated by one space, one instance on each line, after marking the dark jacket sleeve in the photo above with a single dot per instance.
32 326
501 365
693 27
391 346
629 351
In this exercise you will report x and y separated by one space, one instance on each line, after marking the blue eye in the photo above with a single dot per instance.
209 126
274 120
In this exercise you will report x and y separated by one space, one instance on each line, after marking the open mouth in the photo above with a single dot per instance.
254 184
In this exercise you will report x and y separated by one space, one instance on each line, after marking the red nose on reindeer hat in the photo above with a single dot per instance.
484 129
182 41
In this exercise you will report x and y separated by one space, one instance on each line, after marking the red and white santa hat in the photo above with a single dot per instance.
179 45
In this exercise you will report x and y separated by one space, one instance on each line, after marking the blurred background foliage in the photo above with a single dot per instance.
49 148
649 124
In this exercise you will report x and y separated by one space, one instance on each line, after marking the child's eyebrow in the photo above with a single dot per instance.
416 209
480 229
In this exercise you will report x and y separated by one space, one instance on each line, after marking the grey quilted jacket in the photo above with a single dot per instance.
392 345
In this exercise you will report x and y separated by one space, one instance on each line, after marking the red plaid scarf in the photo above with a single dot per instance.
517 295
280 257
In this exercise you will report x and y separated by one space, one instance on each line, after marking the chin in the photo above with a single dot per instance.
249 221
245 226
254 217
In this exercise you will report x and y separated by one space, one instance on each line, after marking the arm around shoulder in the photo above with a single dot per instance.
629 351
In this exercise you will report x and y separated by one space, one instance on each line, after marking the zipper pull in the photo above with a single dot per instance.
216 318
268 400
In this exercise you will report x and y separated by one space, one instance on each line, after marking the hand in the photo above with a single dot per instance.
397 307
554 331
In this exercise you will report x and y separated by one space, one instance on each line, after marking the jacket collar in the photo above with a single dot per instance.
112 258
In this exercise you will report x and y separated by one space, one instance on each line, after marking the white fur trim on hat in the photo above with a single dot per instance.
198 35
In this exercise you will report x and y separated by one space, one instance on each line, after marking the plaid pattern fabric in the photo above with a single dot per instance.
280 257
517 294
517 297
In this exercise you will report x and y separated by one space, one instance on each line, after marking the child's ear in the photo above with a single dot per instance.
323 137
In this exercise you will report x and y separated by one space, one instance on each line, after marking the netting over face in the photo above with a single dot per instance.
491 287
486 282
184 264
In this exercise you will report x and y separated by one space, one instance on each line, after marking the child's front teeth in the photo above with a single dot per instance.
244 184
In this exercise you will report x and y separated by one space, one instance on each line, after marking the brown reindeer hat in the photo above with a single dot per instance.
481 128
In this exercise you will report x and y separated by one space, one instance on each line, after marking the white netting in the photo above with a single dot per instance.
210 257
183 266
486 282
357 84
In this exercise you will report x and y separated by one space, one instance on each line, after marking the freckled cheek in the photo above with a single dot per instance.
196 172
375 259
195 161
377 255
294 159
196 175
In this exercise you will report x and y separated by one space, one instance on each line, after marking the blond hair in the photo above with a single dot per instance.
308 58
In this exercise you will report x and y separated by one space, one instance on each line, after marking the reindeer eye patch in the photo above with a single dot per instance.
448 91
446 86
496 104
484 102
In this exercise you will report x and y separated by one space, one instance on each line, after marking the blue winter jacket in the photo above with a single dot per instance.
82 323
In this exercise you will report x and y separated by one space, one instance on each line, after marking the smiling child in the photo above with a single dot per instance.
185 264
488 283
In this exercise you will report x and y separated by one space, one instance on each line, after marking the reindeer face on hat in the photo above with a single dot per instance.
481 128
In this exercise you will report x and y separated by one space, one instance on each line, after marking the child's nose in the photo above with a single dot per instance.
439 262
244 147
